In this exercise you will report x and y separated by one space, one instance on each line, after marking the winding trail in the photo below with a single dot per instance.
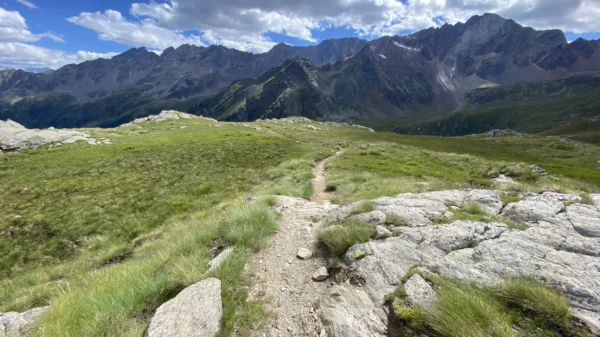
281 280
319 183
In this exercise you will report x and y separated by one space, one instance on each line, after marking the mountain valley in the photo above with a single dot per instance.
430 73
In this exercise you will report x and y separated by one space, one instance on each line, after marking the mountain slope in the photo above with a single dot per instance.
427 73
567 106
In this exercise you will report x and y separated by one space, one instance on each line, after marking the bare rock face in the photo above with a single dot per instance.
13 324
419 291
560 244
197 311
15 137
585 219
163 116
350 312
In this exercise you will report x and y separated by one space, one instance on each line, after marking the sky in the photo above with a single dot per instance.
52 33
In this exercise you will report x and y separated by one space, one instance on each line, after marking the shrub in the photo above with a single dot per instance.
342 235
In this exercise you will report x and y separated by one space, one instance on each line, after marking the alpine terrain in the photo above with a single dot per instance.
444 183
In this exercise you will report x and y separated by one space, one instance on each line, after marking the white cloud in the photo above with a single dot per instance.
112 26
27 4
244 24
16 53
13 28
52 36
22 55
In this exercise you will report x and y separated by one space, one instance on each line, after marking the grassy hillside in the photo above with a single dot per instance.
568 107
105 234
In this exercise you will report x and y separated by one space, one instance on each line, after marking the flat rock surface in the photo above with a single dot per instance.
349 312
560 245
196 311
15 137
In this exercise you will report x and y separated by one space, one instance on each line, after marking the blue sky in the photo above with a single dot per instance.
55 32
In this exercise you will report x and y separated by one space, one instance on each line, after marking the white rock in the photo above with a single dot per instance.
304 253
219 260
15 137
321 274
585 219
197 311
13 324
420 292
348 312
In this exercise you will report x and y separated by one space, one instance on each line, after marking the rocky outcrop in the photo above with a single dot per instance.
557 240
419 292
15 137
13 324
163 116
350 312
197 311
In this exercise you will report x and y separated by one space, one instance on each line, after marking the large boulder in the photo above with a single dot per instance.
197 311
13 324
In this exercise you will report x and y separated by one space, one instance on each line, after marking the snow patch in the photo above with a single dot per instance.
406 47
382 56
535 65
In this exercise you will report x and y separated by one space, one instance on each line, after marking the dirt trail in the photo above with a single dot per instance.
319 183
282 280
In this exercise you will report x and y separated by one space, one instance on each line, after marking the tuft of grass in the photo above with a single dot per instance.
509 198
586 199
250 226
473 208
363 207
545 304
395 221
511 224
466 311
340 236
409 315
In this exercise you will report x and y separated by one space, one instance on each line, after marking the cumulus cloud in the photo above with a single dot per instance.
22 55
13 28
244 24
15 52
27 4
112 26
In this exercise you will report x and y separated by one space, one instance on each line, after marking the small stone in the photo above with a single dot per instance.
304 253
321 274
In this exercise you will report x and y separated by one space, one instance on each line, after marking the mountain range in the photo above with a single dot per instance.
432 72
